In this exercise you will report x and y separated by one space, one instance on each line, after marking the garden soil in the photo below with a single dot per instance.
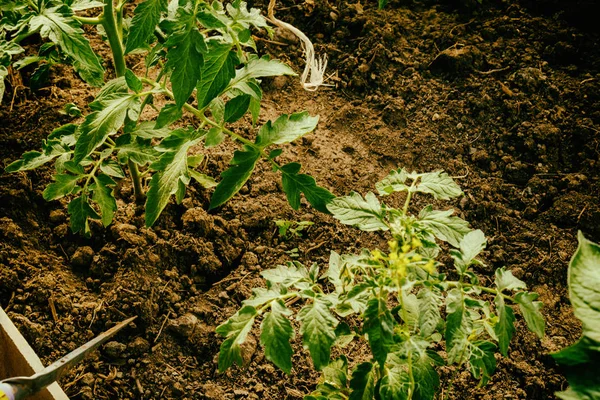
504 96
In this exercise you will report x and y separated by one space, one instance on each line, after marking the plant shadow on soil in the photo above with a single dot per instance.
506 100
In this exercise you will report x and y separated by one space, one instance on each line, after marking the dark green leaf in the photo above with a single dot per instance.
482 361
167 115
63 185
133 82
206 181
336 373
148 130
366 214
30 160
214 137
112 168
275 336
363 382
145 19
426 378
579 363
57 24
286 129
458 327
379 326
138 151
80 210
236 108
217 72
318 331
531 312
242 165
294 184
104 197
505 327
235 330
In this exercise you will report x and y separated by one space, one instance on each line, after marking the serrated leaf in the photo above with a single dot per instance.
104 197
30 160
430 318
444 226
185 59
394 384
261 296
379 326
167 115
426 378
57 24
148 130
238 11
133 82
336 373
482 361
458 327
216 73
112 168
504 328
171 168
286 129
205 181
531 312
363 382
439 184
79 211
287 275
242 165
471 245
295 183
318 331
505 280
260 68
236 331
138 151
366 214
144 21
584 286
63 185
393 182
275 336
236 108
100 124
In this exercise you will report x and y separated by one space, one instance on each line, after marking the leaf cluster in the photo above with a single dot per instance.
203 60
407 308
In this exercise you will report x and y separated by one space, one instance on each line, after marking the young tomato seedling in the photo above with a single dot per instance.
407 307
201 57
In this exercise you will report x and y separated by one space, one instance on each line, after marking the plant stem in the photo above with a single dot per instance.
136 180
89 20
110 26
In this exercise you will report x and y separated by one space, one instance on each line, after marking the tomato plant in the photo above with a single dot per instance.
201 57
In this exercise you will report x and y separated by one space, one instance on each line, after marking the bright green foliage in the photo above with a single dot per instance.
289 229
197 51
581 361
399 297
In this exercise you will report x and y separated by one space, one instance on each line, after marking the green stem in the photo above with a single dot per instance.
19 38
89 20
136 180
283 297
411 377
110 26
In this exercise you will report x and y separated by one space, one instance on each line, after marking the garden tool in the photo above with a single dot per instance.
20 387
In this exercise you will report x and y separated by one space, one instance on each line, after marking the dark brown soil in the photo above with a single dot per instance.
500 96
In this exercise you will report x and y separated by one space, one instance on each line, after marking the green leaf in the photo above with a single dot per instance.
531 312
363 382
458 326
379 326
584 286
104 196
287 275
235 330
426 377
318 331
81 5
185 59
242 165
30 160
336 373
429 311
107 121
58 25
260 68
276 333
112 168
139 151
64 184
217 109
286 129
438 184
382 4
579 363
172 168
295 183
394 384
505 280
393 182
504 328
444 226
216 73
236 108
3 74
214 137
144 21
471 245
133 82
80 210
366 214
167 115
482 361
204 180
148 130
